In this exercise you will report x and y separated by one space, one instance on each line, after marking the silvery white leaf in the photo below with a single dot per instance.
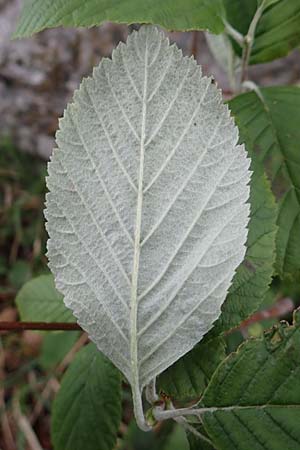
222 50
146 211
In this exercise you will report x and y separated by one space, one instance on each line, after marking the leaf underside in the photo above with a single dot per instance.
146 211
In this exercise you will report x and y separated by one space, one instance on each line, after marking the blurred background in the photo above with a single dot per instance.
37 79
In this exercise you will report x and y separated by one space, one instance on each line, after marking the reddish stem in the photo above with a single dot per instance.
281 308
44 326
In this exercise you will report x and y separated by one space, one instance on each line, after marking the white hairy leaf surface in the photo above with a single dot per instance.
147 212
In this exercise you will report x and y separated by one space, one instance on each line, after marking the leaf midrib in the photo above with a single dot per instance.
230 408
137 248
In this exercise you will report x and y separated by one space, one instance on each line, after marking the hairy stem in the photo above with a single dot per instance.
151 394
249 40
161 414
138 408
234 34
188 427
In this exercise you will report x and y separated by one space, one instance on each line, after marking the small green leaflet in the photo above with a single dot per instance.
39 301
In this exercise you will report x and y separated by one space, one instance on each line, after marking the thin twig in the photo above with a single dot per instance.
188 427
43 326
25 427
71 354
51 387
185 424
245 59
249 40
194 44
234 34
280 309
7 434
249 85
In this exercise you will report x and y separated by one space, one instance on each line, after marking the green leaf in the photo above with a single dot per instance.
267 3
278 30
177 440
136 439
39 301
168 436
19 273
254 275
170 14
240 17
197 443
55 347
87 410
269 126
189 376
255 394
